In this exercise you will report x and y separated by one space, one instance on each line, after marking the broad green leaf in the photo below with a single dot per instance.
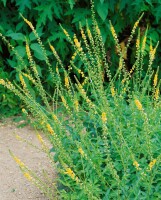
16 36
21 50
37 51
102 10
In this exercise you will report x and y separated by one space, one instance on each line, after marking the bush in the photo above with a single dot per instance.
105 135
46 15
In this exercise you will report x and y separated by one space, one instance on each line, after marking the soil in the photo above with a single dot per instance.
13 185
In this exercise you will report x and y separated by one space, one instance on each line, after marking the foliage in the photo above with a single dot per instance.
46 16
105 135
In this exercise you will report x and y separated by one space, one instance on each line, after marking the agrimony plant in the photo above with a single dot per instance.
105 135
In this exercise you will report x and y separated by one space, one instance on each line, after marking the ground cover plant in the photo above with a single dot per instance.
105 128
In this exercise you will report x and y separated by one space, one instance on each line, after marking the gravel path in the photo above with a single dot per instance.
13 185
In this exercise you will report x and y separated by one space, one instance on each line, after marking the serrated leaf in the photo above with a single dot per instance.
37 51
79 18
22 4
102 10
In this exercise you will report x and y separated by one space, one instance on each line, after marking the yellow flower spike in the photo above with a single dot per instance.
80 150
29 77
138 104
65 32
49 128
2 82
28 22
19 162
77 43
137 43
55 117
151 164
64 102
89 33
113 91
104 118
28 176
52 49
76 104
155 80
156 94
70 173
66 82
22 80
98 30
143 43
40 138
136 165
28 52
113 31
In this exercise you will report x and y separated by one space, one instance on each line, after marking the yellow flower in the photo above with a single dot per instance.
64 102
55 117
22 80
19 162
89 33
66 82
28 176
77 43
155 80
113 91
156 94
137 43
144 43
28 51
152 163
138 104
80 150
49 129
52 49
2 82
98 30
104 118
70 173
76 103
40 138
136 165
113 31
65 32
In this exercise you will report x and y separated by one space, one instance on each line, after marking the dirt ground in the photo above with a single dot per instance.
13 185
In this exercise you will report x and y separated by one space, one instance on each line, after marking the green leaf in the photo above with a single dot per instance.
157 12
22 4
16 36
102 1
71 3
102 10
4 2
37 51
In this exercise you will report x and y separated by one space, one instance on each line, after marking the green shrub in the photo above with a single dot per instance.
46 15
105 135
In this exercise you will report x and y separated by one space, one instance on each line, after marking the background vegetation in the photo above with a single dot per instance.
46 17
